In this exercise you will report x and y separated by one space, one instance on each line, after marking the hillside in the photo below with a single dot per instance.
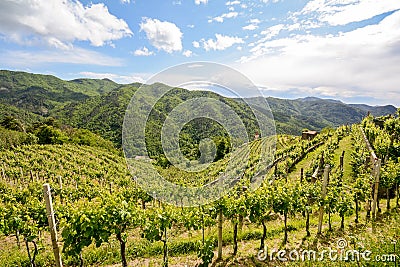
40 94
99 105
94 195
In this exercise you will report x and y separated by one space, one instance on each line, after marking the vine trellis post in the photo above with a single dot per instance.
52 224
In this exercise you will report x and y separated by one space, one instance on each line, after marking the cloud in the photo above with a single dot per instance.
143 52
162 35
196 44
255 21
273 1
272 31
125 1
124 79
225 16
18 58
222 42
198 2
342 12
253 25
250 27
231 3
58 23
359 63
187 53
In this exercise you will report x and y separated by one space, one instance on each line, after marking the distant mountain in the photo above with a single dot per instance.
314 113
99 105
376 110
317 99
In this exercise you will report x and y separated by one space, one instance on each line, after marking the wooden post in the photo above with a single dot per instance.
52 224
61 187
301 175
377 171
220 221
342 161
323 195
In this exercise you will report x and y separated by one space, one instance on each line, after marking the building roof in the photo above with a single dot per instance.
310 132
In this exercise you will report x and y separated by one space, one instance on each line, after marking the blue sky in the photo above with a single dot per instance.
342 49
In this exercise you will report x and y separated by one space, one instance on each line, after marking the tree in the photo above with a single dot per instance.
223 147
11 123
50 135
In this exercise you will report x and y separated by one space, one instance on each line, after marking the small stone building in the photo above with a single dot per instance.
308 135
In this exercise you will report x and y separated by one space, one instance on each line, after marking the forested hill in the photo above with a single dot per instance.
99 104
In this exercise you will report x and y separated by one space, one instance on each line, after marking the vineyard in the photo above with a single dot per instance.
344 183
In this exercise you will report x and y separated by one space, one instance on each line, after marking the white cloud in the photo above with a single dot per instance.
196 44
190 26
187 53
250 27
18 58
225 16
231 3
342 12
359 63
272 31
255 21
273 1
60 22
125 1
253 25
198 2
162 35
222 42
177 3
143 52
124 79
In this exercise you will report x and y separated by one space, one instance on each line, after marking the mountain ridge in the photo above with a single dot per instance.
99 104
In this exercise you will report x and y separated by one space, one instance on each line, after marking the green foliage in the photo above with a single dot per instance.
206 252
11 123
50 135
101 202
10 138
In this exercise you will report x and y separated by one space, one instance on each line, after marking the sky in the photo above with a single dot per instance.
341 49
